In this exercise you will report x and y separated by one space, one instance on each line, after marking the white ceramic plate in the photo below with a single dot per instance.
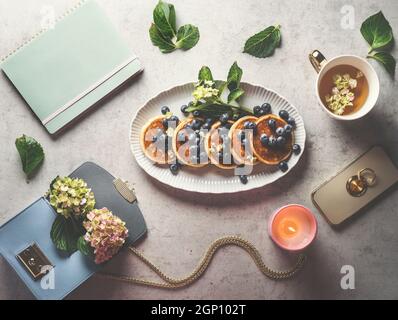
211 179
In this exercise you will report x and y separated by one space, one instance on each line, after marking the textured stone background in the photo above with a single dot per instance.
181 225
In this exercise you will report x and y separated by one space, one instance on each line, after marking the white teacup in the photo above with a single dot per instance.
321 66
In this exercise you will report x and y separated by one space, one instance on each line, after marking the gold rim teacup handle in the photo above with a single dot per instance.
317 60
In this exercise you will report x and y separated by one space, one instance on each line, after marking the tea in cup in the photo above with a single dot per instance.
347 86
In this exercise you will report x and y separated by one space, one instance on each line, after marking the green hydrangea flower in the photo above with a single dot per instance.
71 197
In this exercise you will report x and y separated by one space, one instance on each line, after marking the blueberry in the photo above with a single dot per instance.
288 128
243 179
174 120
272 124
296 149
291 121
249 125
227 126
206 126
281 141
283 166
196 124
210 121
257 111
174 168
284 114
224 118
165 123
280 131
235 116
261 113
165 109
266 108
264 140
271 142
196 113
184 108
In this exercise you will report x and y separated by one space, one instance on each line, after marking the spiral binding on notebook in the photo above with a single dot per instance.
40 32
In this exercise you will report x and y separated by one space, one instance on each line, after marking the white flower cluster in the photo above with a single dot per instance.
342 96
204 90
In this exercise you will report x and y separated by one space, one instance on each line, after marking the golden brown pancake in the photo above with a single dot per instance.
181 148
150 148
213 145
238 149
267 155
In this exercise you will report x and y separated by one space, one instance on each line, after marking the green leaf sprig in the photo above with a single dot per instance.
163 31
31 153
65 233
209 103
264 43
378 33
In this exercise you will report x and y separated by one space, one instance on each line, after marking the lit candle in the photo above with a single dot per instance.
292 227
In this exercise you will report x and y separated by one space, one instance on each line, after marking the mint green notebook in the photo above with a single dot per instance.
65 70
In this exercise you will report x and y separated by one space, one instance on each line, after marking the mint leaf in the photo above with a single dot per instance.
163 31
387 60
234 77
83 246
64 235
187 37
377 31
164 17
235 95
165 45
205 74
220 86
31 153
264 43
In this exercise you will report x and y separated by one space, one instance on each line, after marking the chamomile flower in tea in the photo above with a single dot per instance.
344 89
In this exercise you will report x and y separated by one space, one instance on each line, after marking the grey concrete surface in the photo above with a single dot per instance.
181 225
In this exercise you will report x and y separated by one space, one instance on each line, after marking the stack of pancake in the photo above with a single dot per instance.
196 143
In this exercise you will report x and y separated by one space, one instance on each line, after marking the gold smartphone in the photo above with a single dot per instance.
362 181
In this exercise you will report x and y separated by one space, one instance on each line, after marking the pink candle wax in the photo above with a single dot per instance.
292 227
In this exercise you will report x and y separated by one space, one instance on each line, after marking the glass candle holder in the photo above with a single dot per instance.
292 227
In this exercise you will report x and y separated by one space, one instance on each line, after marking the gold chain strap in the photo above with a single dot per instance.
174 283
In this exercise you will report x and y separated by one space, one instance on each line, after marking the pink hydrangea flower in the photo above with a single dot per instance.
106 233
